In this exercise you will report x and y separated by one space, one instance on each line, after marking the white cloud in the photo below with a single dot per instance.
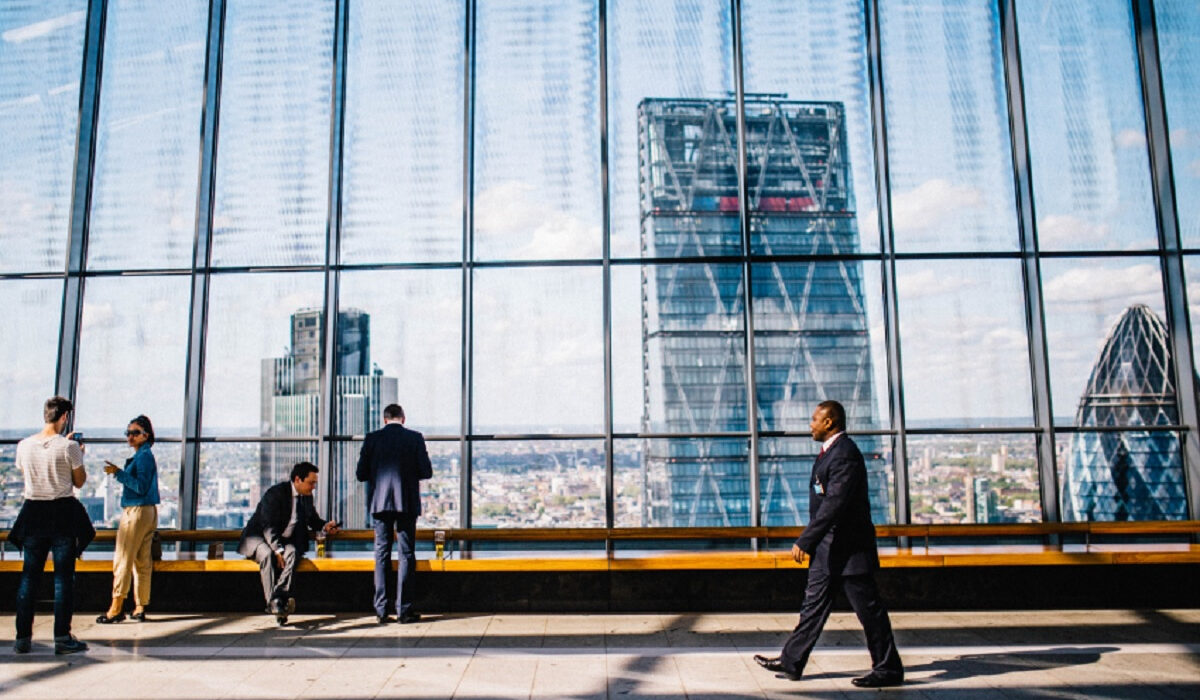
43 28
1139 283
1180 137
925 283
1194 168
512 210
932 203
1131 138
1066 231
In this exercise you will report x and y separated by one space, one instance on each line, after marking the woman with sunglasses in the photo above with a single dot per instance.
139 520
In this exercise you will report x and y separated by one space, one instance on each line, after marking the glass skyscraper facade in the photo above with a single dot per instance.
611 253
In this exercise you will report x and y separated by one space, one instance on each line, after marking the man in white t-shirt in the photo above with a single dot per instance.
50 522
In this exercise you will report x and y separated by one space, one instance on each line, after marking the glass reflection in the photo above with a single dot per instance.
41 54
545 483
1178 24
950 159
272 179
1087 131
964 346
147 151
28 345
402 189
973 479
537 133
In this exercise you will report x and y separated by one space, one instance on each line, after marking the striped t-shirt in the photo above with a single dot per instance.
47 463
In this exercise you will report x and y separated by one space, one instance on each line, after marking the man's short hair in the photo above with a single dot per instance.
836 412
393 412
302 470
56 407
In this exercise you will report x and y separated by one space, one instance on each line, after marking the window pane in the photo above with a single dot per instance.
1087 132
537 130
964 344
101 494
1179 52
974 479
232 481
813 51
785 467
272 180
439 495
548 483
682 483
1134 475
1105 336
147 143
133 354
679 349
539 351
401 335
818 334
29 330
41 54
402 188
948 144
264 332
672 50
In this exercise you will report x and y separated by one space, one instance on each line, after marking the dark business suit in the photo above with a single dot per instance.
840 538
263 537
393 461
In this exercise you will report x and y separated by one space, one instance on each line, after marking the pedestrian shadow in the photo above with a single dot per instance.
1000 663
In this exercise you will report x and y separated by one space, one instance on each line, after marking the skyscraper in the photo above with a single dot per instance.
811 337
291 390
1132 474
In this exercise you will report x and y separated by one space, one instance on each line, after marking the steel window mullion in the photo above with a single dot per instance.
465 451
201 268
1035 317
1174 280
888 248
606 273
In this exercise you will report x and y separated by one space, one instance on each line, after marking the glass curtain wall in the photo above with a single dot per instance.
607 254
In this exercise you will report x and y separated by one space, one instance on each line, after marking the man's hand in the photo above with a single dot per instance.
331 528
279 560
798 554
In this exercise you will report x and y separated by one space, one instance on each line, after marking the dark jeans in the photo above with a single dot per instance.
276 582
404 525
36 549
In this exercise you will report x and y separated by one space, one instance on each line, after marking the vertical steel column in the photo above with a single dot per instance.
464 466
883 195
739 83
81 196
1174 281
606 272
1030 265
201 263
333 253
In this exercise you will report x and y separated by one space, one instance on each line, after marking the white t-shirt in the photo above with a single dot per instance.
47 463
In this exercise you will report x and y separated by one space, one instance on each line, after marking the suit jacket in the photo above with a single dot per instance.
271 517
840 536
393 461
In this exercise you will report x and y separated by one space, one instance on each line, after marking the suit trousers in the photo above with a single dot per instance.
404 525
276 582
818 603
132 555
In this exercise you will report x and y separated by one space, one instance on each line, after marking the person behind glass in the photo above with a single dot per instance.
277 536
393 461
51 521
139 520
840 539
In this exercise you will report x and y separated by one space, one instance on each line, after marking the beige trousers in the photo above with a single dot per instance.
134 536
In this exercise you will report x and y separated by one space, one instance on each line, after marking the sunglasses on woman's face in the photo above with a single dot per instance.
133 433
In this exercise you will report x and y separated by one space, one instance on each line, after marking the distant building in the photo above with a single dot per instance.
810 337
1131 474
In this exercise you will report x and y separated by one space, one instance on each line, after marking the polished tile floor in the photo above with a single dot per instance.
1108 654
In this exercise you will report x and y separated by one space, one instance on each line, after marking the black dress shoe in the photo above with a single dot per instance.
409 618
879 680
383 619
771 663
139 616
106 620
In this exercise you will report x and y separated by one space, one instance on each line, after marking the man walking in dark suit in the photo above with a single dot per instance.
392 462
277 536
840 539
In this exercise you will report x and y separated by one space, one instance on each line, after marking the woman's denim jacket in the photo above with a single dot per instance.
140 479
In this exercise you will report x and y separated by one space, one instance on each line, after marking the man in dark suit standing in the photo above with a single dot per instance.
840 539
277 536
393 462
